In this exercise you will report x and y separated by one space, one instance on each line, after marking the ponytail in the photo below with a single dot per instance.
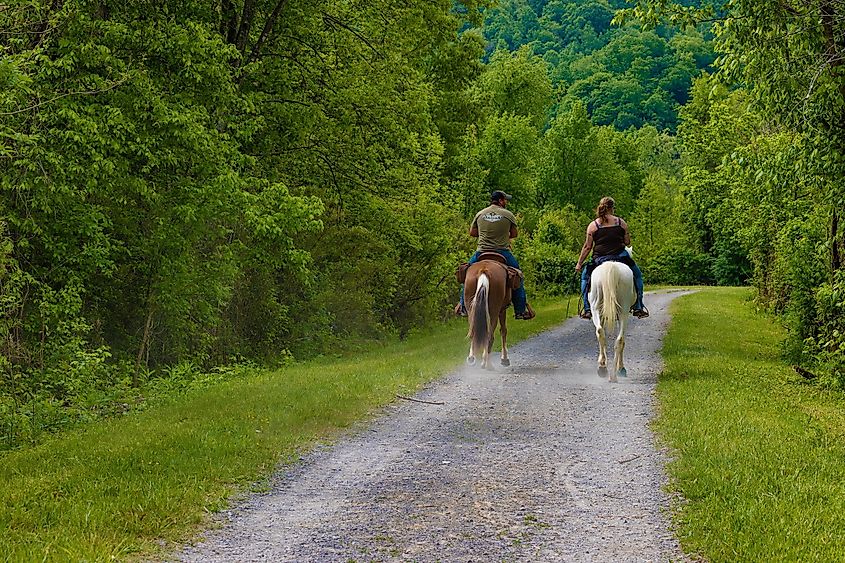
605 206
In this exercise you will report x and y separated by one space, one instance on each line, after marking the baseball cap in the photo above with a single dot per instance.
498 194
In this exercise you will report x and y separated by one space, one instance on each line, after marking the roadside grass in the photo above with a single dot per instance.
758 456
136 485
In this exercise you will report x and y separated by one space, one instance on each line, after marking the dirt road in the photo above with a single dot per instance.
542 461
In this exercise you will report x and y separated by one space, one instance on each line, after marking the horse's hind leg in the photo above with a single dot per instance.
504 328
470 356
619 349
488 351
600 336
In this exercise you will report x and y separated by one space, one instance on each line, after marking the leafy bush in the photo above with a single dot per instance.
679 264
826 348
551 252
554 271
731 265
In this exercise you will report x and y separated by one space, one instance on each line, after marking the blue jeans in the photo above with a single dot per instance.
518 297
638 279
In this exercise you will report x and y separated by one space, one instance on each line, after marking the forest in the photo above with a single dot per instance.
206 185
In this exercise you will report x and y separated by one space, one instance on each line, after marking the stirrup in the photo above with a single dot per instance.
460 310
527 315
640 313
585 315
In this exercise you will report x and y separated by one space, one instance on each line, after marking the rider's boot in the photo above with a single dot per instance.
585 312
639 310
527 315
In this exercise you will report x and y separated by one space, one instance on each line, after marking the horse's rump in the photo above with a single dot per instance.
497 274
611 292
487 294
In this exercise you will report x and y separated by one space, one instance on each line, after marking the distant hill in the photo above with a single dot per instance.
626 77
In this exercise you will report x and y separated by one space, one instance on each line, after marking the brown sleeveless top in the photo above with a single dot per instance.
608 241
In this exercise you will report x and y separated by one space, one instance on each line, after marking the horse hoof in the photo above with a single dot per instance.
506 362
471 361
623 372
602 371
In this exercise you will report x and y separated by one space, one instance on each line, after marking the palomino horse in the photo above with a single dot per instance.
611 296
487 283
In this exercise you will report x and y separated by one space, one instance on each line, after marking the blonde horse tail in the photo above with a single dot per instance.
479 316
609 298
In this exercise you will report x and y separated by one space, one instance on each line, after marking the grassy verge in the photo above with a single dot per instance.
759 457
134 484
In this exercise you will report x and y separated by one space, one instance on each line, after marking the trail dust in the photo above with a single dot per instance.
541 461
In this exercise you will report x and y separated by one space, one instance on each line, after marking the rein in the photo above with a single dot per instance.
569 295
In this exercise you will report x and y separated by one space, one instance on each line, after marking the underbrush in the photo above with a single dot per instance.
28 417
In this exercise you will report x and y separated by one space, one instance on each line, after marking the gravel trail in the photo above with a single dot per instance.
542 461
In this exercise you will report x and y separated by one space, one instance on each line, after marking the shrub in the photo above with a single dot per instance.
551 252
680 264
827 346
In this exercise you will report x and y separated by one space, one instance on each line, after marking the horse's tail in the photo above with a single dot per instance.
479 315
609 297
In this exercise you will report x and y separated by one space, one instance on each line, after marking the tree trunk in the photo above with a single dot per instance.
247 16
268 29
145 344
835 256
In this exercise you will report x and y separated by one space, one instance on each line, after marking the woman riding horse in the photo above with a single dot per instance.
607 238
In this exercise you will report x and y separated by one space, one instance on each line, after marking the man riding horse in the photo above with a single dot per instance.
495 226
607 238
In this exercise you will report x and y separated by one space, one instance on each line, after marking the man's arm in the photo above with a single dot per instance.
473 229
513 232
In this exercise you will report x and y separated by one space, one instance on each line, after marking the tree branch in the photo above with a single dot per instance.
333 21
268 29
51 100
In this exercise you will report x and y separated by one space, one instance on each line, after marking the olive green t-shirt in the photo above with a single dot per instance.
494 227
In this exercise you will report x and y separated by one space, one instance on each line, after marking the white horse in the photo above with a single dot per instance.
611 296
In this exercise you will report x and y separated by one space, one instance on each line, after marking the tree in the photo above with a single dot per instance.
508 151
518 83
578 165
791 57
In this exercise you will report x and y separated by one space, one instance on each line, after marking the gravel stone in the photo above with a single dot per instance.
541 461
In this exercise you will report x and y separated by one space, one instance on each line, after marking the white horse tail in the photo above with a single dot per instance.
609 298
479 316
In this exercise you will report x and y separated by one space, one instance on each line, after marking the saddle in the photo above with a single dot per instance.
494 256
515 275
594 263
627 260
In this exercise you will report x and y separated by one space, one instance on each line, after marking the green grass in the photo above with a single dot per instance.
135 485
758 456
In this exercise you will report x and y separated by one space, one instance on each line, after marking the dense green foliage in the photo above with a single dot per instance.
208 182
766 162
758 455
205 184
626 77
202 184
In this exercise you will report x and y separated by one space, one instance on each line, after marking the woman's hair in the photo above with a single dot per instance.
605 206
